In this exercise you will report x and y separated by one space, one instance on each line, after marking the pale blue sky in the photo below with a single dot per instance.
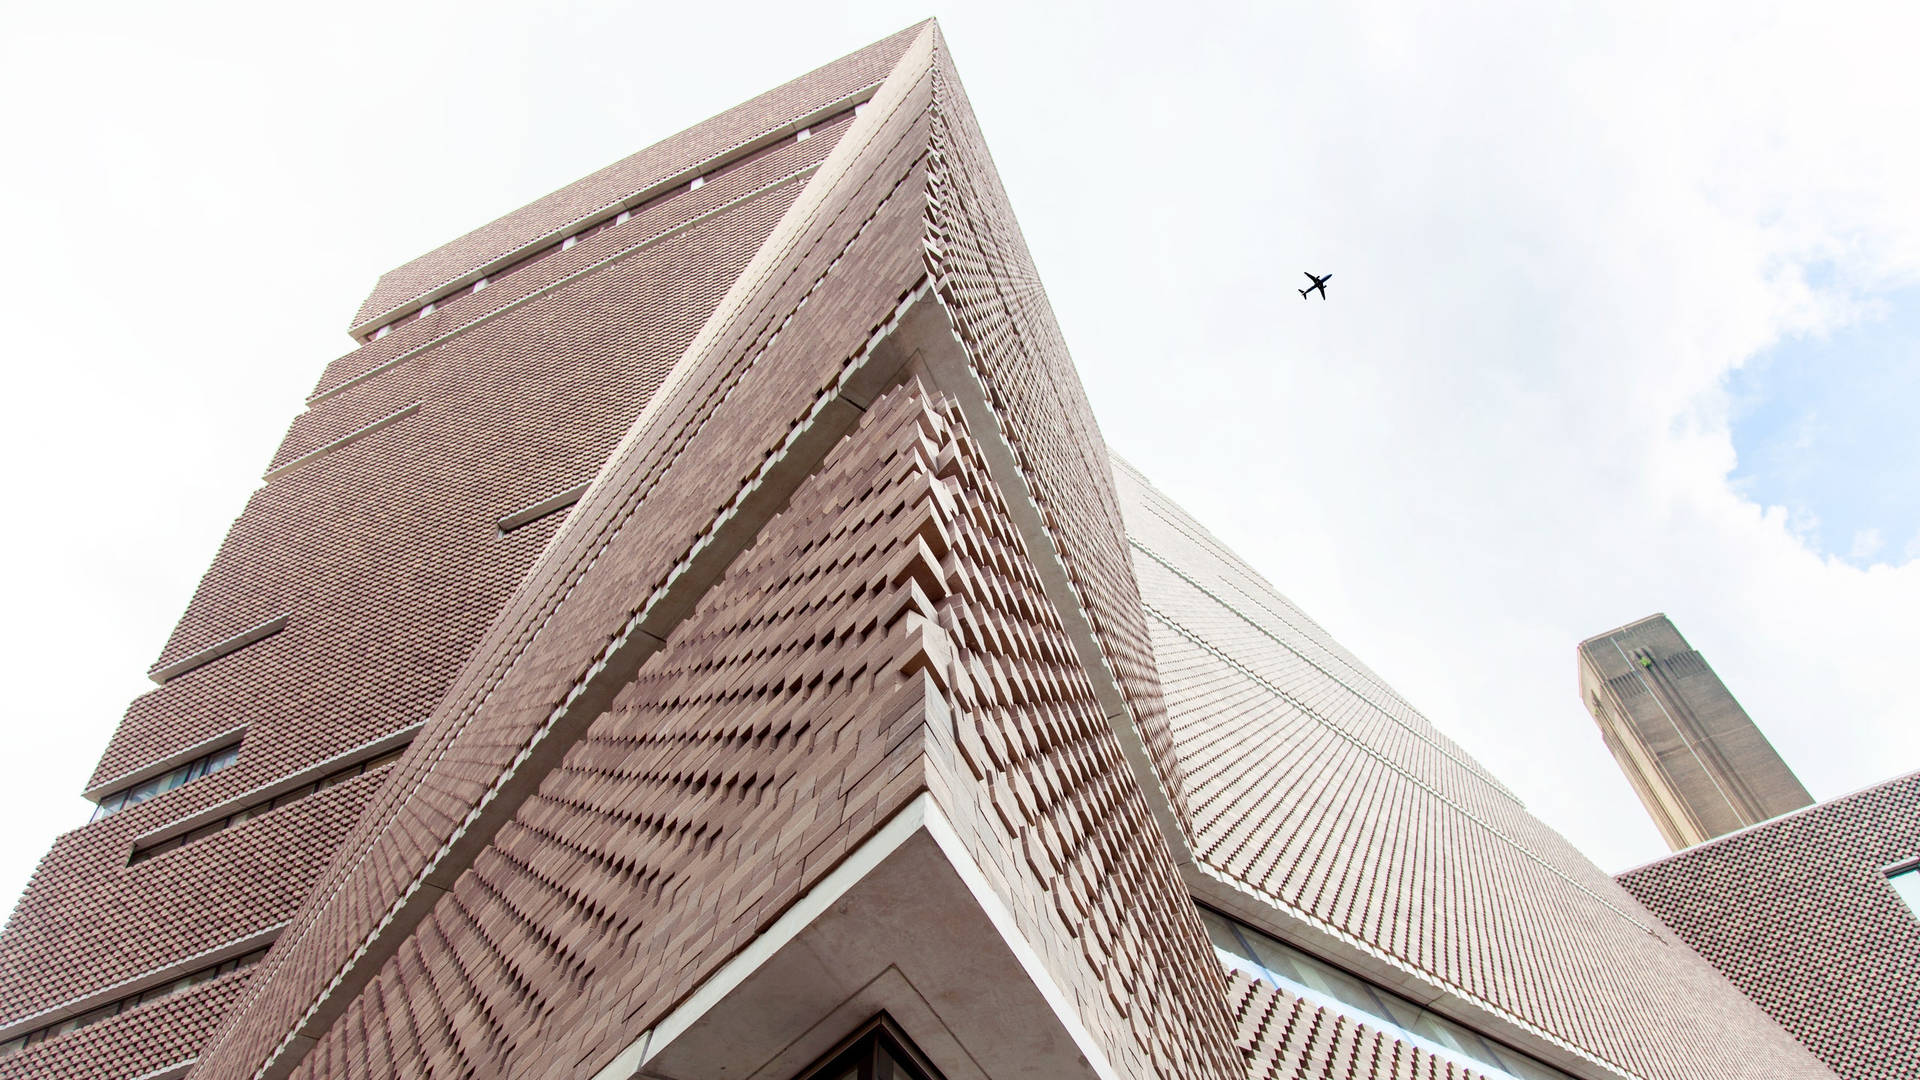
1825 425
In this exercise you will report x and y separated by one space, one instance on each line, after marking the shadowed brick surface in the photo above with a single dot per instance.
1798 913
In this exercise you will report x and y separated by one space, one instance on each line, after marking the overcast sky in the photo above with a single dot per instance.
1625 314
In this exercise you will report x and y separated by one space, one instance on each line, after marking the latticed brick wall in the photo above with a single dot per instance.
986 276
803 311
1798 913
1285 1037
386 556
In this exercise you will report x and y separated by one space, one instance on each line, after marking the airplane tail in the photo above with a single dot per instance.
1303 294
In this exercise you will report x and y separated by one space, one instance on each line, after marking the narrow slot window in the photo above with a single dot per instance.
1907 884
1266 958
231 645
167 839
204 765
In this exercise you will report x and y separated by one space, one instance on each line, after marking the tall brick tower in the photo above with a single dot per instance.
1699 763
700 633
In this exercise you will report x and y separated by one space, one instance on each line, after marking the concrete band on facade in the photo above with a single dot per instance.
857 677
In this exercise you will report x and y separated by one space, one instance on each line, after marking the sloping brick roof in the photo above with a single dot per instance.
1317 788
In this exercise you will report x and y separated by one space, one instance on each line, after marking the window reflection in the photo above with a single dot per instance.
1245 949
193 770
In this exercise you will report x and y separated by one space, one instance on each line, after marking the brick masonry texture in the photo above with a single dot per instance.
1314 786
386 555
1797 912
793 599
857 242
986 277
788 719
1284 1037
137 1042
586 197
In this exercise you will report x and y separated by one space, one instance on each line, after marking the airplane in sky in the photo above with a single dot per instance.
1318 283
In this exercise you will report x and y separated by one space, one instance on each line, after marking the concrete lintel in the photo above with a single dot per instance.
144 981
219 649
159 766
908 925
370 749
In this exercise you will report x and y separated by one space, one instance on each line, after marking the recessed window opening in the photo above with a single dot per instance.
569 242
803 135
878 1051
383 332
698 183
115 1008
1906 882
1243 948
204 765
263 806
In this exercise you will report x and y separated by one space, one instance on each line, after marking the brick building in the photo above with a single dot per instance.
1816 916
700 632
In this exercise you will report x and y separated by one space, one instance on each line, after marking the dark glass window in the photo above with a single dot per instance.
115 1008
167 781
878 1051
254 810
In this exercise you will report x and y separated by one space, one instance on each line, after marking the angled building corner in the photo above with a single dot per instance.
702 624
804 674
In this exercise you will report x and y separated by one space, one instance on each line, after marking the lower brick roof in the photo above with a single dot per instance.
1797 911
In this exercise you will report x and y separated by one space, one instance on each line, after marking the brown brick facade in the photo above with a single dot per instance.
1798 912
820 576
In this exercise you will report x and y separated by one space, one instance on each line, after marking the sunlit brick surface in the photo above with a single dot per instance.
1316 786
1798 913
